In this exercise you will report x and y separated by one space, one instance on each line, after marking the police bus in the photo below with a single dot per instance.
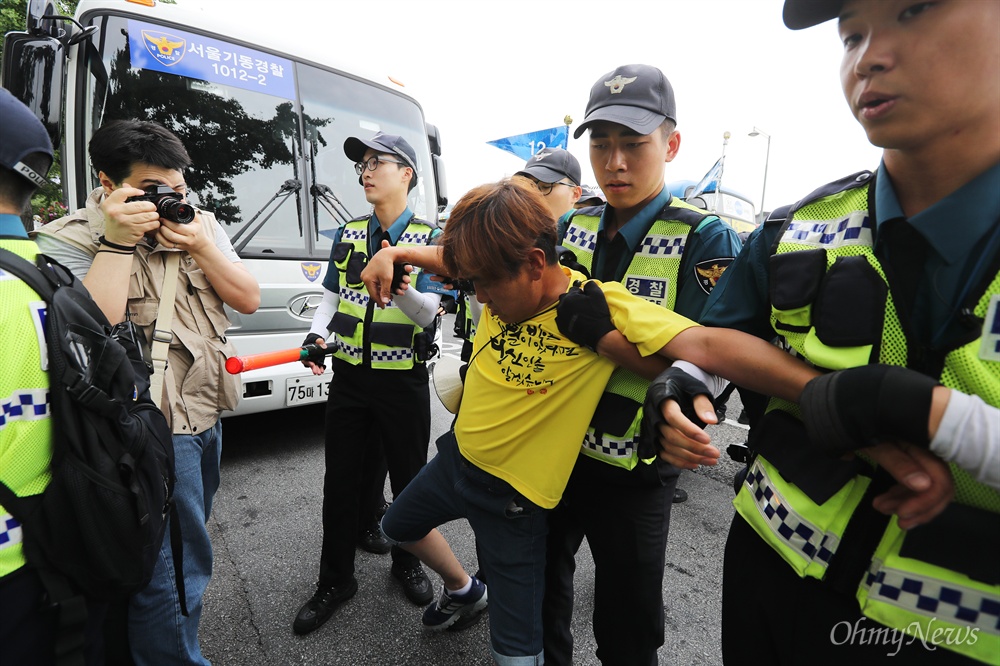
264 119
735 209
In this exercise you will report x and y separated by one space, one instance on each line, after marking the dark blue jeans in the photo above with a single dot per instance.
511 533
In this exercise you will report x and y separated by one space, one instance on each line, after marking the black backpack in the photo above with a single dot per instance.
96 530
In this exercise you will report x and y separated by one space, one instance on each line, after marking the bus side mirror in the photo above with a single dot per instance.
33 73
433 138
439 181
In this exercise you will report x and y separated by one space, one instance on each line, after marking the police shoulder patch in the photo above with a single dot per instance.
709 271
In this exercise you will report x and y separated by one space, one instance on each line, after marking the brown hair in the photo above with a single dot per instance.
493 227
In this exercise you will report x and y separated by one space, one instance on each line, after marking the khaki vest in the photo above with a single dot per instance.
197 387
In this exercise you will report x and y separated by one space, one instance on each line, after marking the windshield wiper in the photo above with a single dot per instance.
325 196
290 186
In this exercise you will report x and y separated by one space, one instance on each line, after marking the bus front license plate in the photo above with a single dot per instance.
306 390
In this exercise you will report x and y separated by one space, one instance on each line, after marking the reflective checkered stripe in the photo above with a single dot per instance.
810 543
805 534
605 446
10 531
354 302
349 350
581 240
354 232
24 405
391 356
663 246
853 229
922 605
359 298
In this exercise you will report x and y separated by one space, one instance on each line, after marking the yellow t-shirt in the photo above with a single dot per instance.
530 392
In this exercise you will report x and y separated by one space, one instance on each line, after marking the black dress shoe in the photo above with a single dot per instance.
679 496
318 610
373 541
415 583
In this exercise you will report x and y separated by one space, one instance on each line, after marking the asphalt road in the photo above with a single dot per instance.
266 533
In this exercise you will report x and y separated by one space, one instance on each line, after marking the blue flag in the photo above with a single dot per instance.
710 182
526 145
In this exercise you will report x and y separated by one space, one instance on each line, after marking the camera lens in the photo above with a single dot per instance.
175 210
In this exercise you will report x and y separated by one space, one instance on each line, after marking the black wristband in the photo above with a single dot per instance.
127 254
116 246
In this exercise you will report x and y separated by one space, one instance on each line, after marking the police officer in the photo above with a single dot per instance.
378 353
661 249
30 626
589 197
556 174
889 279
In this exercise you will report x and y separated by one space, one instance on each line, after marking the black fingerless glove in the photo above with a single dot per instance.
671 383
317 354
398 271
583 316
858 407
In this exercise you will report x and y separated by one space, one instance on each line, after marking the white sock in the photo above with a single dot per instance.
463 590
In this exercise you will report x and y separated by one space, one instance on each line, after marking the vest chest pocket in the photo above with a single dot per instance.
350 262
795 281
392 335
344 324
210 303
850 306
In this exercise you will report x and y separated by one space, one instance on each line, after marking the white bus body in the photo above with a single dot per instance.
264 118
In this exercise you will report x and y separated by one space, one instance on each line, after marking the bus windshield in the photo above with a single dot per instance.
265 132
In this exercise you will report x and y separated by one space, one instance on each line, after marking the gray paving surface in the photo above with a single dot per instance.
266 533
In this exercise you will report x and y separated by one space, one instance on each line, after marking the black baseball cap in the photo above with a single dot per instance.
637 96
550 165
799 14
355 149
21 134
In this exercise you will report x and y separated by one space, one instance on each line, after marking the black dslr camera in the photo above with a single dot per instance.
169 204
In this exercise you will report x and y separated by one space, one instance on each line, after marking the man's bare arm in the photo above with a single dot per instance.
377 275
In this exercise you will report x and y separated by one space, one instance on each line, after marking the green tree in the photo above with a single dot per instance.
47 203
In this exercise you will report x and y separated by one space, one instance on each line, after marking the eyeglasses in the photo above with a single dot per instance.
372 163
546 188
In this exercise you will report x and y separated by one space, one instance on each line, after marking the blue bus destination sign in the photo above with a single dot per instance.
197 57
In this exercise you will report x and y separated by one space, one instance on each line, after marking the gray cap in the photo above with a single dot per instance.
21 134
637 96
799 14
591 196
550 165
355 149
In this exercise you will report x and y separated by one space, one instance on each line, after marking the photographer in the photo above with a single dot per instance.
120 245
